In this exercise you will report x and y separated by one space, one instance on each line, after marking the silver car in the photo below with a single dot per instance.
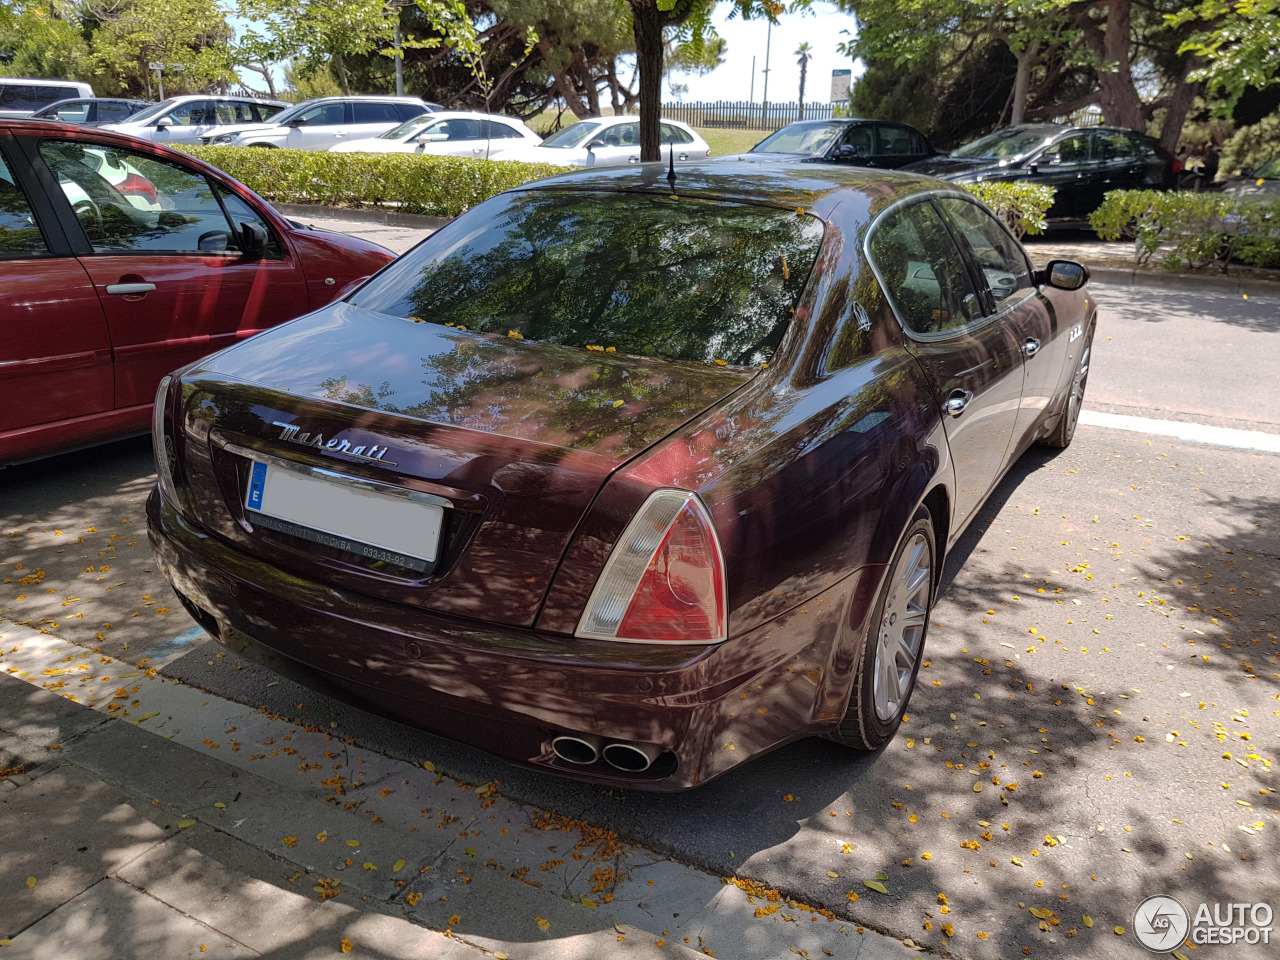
328 121
190 119
606 141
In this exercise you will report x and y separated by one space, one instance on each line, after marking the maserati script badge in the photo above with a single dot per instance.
373 453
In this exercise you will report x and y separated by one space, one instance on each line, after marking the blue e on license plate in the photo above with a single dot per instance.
348 517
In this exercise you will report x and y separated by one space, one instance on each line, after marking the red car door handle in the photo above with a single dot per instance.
124 289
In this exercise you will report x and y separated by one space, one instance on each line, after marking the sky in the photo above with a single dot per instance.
745 39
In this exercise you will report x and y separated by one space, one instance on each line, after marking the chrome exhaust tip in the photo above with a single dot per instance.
582 749
632 757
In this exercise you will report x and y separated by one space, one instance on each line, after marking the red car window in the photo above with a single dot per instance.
19 235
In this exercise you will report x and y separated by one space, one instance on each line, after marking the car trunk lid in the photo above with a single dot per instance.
512 438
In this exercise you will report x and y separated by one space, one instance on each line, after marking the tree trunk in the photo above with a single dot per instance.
1175 114
1112 41
804 68
1026 60
648 32
341 69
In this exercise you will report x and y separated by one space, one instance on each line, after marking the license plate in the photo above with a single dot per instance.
356 520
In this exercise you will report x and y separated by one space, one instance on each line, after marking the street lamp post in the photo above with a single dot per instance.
764 100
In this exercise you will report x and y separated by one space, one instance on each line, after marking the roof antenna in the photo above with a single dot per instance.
671 168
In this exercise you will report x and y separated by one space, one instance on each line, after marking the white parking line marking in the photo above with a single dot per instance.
1195 432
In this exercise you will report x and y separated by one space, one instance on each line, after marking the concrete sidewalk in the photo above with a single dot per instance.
142 817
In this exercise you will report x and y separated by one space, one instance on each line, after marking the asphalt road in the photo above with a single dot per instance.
1103 662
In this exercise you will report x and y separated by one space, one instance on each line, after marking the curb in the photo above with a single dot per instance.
362 215
1240 286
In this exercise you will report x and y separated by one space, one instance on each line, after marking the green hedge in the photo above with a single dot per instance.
446 186
1021 205
414 183
1195 230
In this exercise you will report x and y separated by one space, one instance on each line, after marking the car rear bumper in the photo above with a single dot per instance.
509 691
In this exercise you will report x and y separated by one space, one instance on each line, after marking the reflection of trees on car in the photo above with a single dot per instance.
653 276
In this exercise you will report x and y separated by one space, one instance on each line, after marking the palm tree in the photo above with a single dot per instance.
804 53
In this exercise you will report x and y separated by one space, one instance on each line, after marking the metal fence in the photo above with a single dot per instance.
741 115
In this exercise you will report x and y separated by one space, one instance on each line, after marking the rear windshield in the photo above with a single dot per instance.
649 275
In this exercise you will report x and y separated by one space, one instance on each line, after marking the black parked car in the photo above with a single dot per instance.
1080 163
858 143
91 110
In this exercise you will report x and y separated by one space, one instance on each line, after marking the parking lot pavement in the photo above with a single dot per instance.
154 818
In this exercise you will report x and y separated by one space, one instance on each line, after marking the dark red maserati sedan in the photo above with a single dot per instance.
623 478
121 260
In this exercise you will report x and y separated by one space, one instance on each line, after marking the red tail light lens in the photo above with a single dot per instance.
136 185
664 581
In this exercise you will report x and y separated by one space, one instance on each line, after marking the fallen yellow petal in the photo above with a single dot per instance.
31 881
1088 920
346 945
397 866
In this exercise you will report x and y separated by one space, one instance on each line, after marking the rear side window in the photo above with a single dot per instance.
500 131
1067 150
265 111
407 111
376 113
641 274
128 201
1115 146
33 96
922 272
113 111
19 235
670 133
326 115
196 113
898 141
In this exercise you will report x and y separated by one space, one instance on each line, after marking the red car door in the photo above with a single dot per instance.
167 260
55 352
972 359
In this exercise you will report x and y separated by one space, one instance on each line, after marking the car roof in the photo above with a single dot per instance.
470 114
364 96
786 184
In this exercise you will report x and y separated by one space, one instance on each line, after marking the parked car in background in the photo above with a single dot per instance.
1080 163
606 141
590 475
449 133
1263 183
188 119
92 110
858 143
23 97
140 260
327 121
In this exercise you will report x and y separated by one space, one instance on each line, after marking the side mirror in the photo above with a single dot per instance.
162 125
593 144
1063 274
846 151
297 122
253 241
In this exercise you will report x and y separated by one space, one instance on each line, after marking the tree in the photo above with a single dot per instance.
45 41
191 37
804 53
1238 43
649 18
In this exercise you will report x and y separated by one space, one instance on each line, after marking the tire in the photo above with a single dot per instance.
1066 428
894 646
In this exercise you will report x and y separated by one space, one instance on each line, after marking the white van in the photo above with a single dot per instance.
21 98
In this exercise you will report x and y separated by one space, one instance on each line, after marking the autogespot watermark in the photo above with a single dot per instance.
1162 924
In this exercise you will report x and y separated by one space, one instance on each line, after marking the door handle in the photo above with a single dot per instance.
956 403
1031 347
124 289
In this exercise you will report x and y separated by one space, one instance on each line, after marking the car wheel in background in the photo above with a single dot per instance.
891 654
1066 429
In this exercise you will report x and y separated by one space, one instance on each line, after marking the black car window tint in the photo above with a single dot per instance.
465 129
998 255
113 111
19 234
132 202
1067 150
500 131
1114 146
859 136
894 141
922 272
642 274
376 113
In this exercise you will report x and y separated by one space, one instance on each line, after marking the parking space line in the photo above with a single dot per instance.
1194 432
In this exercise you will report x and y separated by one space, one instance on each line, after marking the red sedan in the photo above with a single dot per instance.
121 260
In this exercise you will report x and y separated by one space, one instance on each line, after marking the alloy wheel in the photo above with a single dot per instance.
900 634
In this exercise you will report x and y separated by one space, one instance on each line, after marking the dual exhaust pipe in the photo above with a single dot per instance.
584 749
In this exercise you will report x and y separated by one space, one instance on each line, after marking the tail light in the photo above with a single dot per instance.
162 444
136 185
664 581
1169 155
708 153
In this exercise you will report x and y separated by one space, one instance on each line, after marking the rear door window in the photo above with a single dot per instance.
1068 150
922 272
114 111
376 113
641 274
19 235
894 141
672 134
194 113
